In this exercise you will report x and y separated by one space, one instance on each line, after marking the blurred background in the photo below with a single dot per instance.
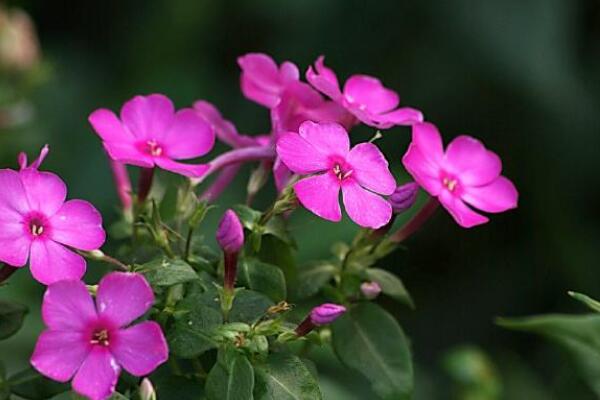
521 75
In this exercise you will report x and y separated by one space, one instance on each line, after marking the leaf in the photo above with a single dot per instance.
248 216
4 386
578 334
285 377
390 285
277 252
248 306
473 373
370 341
262 277
588 301
11 318
173 387
313 277
234 381
167 272
191 334
29 384
276 226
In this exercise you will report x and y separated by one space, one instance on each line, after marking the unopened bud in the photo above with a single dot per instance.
326 313
370 289
404 197
230 233
147 390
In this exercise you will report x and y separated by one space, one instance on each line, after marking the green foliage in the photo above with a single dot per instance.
474 374
285 377
11 318
249 306
30 385
231 378
390 284
262 277
313 277
193 330
588 301
167 272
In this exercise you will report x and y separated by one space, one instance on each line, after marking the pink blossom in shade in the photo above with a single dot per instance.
37 224
90 343
364 96
224 129
151 133
466 174
362 174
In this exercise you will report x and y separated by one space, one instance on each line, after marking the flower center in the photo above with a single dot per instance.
154 148
100 337
339 171
36 228
36 225
449 183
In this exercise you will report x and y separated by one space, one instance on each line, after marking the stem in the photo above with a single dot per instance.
305 327
144 183
220 183
122 183
230 271
99 255
6 272
188 244
416 221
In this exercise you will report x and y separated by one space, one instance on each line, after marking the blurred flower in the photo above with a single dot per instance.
404 197
364 96
321 315
19 47
150 133
361 173
36 223
370 289
91 343
465 173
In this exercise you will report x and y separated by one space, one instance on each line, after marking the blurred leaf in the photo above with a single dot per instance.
233 381
370 341
312 277
248 306
4 386
285 377
191 335
277 252
29 384
276 226
474 374
199 214
11 318
248 216
262 277
390 285
173 387
168 203
167 272
588 301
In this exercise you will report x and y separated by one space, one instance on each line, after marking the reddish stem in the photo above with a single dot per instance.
230 272
144 183
305 327
416 221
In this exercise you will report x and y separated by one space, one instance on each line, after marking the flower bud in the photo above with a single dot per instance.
230 233
370 289
404 197
147 390
326 313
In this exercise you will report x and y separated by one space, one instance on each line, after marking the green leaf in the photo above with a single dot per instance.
167 272
262 277
192 332
277 227
313 277
390 285
577 334
473 373
29 384
277 252
11 318
370 341
234 381
588 301
4 386
173 387
249 306
285 377
248 216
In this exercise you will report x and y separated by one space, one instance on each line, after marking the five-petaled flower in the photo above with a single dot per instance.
150 133
364 96
361 173
91 343
37 224
465 173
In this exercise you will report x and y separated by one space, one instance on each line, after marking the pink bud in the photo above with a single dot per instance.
370 289
230 233
326 313
404 197
147 390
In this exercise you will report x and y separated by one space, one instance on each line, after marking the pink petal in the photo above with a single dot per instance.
423 170
189 170
108 127
128 153
13 199
68 306
224 129
329 138
403 116
148 117
141 348
498 196
260 80
122 297
281 174
98 375
288 72
51 262
78 224
46 192
472 162
368 91
14 243
370 168
320 195
324 79
427 138
299 155
461 213
59 354
363 207
189 136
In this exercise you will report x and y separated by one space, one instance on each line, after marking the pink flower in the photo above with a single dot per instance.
37 224
224 129
150 133
91 343
361 173
465 173
364 96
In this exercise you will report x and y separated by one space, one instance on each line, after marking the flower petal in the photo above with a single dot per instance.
363 207
98 375
189 170
14 243
324 79
128 153
141 348
370 168
429 141
108 127
368 91
13 198
123 296
224 129
68 306
261 80
78 224
422 169
472 162
189 136
59 354
51 262
320 195
330 138
403 116
498 196
46 192
148 117
461 213
299 155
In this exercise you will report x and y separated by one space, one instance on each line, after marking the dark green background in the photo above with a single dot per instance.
521 75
